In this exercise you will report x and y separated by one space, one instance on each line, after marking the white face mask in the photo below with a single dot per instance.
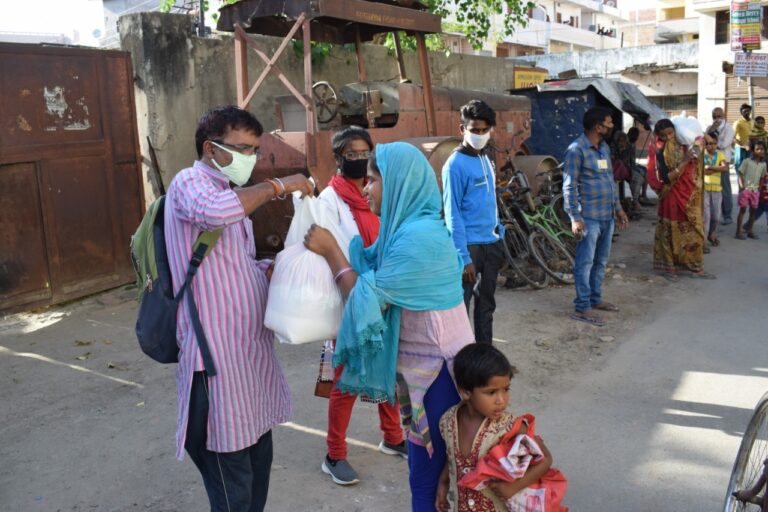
239 171
477 142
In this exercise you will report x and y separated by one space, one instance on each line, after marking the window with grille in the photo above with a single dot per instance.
673 105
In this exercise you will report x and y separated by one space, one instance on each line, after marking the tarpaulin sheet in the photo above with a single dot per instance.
557 110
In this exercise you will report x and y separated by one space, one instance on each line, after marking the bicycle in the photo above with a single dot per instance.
541 225
750 469
520 262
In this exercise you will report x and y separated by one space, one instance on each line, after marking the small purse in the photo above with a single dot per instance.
324 383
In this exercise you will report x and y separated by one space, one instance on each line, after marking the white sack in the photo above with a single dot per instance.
687 129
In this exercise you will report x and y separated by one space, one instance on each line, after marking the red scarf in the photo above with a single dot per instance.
367 221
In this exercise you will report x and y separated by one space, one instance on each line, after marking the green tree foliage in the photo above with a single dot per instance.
474 17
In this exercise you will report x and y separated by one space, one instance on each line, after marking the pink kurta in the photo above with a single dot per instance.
249 395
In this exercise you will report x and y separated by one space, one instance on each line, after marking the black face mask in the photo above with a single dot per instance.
354 169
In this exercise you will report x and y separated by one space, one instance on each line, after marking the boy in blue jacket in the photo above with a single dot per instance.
469 200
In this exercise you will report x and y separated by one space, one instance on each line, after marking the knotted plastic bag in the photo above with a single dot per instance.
304 304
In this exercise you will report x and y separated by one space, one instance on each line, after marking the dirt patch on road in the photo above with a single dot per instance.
548 347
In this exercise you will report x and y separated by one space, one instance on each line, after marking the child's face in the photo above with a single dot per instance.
760 123
759 151
490 400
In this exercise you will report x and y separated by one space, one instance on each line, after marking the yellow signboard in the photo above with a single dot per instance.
528 77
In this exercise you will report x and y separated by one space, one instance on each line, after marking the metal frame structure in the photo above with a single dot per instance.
337 21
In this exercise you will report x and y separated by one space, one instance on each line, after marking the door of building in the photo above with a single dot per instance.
70 187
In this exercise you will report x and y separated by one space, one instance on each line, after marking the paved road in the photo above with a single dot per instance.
653 425
657 428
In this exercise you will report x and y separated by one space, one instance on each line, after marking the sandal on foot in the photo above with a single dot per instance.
714 241
753 236
606 306
590 318
707 250
701 275
669 276
740 236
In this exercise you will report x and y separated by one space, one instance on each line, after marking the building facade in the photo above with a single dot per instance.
553 27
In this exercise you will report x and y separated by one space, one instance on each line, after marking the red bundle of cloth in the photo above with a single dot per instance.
509 460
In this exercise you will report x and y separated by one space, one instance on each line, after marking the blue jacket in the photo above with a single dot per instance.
469 201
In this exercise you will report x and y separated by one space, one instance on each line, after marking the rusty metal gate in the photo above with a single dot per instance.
70 187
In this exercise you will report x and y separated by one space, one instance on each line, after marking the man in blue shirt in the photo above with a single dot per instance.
469 200
592 202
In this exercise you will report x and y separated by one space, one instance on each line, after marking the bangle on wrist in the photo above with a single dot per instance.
274 188
341 272
282 185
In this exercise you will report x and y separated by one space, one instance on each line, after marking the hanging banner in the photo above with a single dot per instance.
750 64
745 25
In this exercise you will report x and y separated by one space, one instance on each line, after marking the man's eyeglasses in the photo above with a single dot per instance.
245 149
357 155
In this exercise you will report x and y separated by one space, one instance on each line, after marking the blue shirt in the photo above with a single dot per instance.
469 201
588 187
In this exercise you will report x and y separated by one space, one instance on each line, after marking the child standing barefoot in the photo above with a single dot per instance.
750 173
477 424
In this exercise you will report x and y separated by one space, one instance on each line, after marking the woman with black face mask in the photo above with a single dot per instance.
344 196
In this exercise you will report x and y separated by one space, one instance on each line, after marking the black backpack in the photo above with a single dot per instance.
158 307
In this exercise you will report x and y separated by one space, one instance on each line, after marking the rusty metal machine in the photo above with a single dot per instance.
425 116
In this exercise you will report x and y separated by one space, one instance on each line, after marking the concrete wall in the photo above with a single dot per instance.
179 76
711 76
664 83
597 63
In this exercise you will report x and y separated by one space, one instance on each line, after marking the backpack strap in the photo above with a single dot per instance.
202 247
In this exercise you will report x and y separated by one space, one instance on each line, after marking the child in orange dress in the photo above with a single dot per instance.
477 424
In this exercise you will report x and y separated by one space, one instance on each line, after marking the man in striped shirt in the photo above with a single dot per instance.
592 202
225 421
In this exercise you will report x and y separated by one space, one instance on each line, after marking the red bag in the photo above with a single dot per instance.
545 495
653 179
620 171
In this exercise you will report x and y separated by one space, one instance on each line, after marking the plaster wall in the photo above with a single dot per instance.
179 76
597 63
711 76
664 83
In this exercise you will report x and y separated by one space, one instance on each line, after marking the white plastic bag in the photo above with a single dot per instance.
304 303
687 129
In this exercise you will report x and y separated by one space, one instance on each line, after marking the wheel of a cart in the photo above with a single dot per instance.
749 465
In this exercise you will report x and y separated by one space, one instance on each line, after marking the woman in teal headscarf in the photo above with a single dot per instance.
404 319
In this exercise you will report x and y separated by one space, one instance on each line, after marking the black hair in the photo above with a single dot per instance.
219 120
713 134
476 364
661 125
745 105
754 143
347 135
595 116
633 134
759 118
477 109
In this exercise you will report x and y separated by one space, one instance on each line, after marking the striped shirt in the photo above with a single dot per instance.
249 395
588 187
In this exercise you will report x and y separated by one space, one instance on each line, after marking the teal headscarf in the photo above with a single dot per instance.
413 265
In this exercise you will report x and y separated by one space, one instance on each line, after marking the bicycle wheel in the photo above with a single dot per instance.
558 205
553 257
748 466
520 269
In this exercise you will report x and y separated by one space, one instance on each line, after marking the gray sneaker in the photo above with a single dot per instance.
340 470
394 449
